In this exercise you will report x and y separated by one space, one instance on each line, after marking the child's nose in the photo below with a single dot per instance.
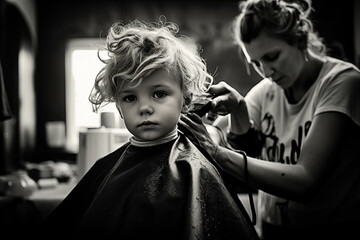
145 108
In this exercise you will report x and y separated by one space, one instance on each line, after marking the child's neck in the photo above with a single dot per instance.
148 143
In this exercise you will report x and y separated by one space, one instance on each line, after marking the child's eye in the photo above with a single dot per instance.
130 98
159 94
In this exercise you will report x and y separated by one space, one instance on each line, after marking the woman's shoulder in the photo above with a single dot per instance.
336 73
333 67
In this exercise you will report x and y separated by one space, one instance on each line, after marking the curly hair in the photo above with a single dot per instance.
288 20
137 49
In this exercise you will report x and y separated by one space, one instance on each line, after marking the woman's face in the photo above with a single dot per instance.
274 58
151 109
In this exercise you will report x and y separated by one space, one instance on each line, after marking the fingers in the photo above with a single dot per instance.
216 102
221 105
225 98
199 131
190 119
219 88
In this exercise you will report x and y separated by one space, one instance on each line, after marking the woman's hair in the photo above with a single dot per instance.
287 20
137 49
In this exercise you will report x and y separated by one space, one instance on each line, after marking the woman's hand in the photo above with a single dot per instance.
195 124
226 98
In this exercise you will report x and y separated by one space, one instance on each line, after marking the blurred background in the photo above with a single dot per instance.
48 63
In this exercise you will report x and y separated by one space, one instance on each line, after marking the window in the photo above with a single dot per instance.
82 65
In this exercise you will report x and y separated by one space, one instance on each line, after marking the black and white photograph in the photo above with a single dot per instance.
179 120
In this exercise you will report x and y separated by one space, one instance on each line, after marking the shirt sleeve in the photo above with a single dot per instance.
340 93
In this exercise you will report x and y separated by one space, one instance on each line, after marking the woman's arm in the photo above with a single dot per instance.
298 182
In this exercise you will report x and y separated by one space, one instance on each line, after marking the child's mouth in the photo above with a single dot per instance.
147 124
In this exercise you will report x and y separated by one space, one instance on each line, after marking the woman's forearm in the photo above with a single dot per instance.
286 181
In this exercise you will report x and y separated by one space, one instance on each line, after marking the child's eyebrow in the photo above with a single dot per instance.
160 85
126 91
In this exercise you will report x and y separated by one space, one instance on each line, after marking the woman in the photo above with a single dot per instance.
303 119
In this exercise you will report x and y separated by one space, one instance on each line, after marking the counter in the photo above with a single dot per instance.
20 217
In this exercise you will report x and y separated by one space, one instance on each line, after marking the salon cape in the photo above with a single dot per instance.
170 191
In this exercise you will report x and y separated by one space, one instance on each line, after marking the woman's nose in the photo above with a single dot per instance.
267 71
264 70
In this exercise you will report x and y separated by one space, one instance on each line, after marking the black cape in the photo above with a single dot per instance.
169 191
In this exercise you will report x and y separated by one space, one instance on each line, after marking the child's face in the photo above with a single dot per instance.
151 109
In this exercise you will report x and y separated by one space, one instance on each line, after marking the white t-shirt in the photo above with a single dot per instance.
286 126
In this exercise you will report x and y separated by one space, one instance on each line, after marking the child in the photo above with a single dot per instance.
159 185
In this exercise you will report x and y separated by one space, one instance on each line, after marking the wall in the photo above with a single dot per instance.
17 52
28 10
334 21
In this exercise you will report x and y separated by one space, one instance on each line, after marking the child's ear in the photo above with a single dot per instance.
186 103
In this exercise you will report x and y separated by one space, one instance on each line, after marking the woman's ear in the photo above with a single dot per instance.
302 41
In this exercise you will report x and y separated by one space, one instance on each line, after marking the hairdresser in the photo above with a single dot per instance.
295 136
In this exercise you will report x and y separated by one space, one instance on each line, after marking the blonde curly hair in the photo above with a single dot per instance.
137 49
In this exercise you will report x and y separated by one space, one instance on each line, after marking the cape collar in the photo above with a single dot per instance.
145 143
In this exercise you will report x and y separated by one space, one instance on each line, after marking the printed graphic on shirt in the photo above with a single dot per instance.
275 149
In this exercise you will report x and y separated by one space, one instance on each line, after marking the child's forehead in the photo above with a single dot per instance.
158 78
